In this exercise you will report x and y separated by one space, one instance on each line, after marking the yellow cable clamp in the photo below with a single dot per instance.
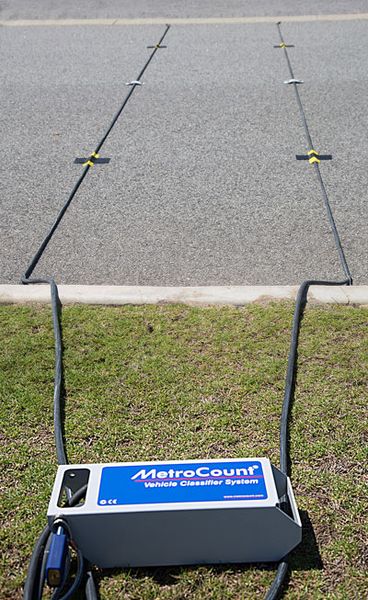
156 46
90 163
313 157
284 45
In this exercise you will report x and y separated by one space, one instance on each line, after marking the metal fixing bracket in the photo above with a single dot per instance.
295 81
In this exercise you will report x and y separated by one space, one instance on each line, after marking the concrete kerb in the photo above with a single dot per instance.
200 296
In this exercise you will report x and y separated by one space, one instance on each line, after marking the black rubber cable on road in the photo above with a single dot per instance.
279 581
310 147
34 582
42 247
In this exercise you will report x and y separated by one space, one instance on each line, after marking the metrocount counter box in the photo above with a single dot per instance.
179 512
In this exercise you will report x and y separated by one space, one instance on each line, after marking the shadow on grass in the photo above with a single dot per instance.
304 558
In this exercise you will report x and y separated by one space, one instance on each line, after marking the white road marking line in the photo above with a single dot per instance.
182 21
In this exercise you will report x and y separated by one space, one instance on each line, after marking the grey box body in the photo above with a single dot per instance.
179 533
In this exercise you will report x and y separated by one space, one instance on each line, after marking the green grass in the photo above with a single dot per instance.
178 382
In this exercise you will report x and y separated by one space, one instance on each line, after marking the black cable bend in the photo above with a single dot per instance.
278 583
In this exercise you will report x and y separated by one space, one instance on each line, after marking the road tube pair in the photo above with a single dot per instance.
51 554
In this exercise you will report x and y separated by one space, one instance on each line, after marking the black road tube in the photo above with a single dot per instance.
33 586
55 302
317 170
282 571
43 245
278 583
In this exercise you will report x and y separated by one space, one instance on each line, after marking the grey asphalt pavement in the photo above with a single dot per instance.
203 187
90 9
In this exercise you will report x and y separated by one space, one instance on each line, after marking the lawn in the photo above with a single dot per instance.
177 382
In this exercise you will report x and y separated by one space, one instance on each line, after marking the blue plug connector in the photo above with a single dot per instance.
55 564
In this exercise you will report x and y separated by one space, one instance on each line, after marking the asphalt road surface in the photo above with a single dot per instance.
203 187
48 9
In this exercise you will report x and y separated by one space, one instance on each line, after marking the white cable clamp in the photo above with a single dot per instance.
293 81
134 82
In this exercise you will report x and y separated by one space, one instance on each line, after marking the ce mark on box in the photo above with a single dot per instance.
109 502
